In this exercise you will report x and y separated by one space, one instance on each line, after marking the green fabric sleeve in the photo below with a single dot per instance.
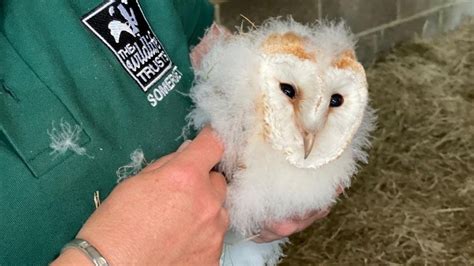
196 16
54 69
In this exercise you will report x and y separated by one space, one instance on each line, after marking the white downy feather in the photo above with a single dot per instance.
269 180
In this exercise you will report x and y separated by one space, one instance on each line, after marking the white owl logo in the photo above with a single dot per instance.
116 27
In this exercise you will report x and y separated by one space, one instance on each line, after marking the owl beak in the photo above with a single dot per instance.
308 140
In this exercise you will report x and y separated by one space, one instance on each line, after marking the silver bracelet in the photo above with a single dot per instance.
87 249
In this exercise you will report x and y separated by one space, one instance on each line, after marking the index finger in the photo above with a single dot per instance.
203 153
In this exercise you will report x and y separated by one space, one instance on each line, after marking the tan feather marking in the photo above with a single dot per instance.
266 126
241 166
297 101
347 59
262 110
288 43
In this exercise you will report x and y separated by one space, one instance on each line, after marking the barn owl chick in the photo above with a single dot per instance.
289 102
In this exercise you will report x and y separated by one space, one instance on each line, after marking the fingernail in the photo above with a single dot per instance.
214 28
183 145
324 213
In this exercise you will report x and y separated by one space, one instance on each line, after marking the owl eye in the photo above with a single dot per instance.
336 100
288 90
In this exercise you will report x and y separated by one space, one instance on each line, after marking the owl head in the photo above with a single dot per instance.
300 86
314 91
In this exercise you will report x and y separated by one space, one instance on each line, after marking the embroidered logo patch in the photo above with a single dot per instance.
121 25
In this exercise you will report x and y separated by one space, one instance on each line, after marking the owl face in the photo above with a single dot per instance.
313 100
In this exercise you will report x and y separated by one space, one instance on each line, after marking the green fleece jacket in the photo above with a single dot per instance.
83 84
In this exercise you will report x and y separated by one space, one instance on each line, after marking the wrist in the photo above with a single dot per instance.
114 249
72 256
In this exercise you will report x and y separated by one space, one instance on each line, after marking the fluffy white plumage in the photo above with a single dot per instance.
286 152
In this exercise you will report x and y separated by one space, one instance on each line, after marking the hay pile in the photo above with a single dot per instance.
414 202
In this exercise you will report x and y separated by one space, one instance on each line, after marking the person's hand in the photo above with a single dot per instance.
169 214
281 229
